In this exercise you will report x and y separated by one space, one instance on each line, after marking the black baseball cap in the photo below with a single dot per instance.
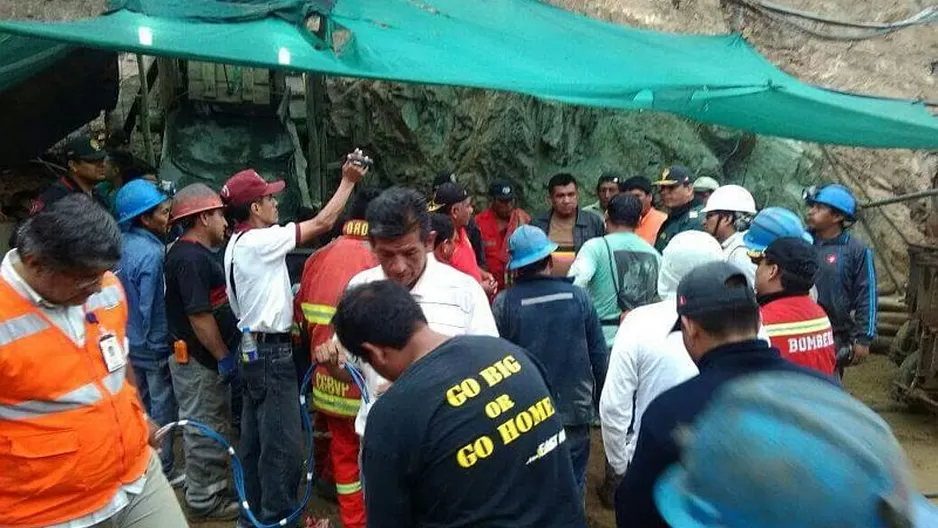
501 190
446 196
676 175
711 287
794 255
85 148
444 176
636 182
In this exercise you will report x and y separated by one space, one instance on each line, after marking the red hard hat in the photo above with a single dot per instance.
194 199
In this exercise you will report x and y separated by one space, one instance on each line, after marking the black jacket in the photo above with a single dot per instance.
61 188
588 225
684 218
475 238
846 285
556 323
657 449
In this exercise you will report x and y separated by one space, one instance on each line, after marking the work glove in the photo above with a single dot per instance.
228 368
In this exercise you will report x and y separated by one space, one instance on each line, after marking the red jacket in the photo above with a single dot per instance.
800 329
495 241
325 277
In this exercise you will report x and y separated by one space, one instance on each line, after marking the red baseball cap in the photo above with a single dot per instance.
248 186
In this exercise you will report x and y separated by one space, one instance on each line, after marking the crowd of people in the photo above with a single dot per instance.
460 361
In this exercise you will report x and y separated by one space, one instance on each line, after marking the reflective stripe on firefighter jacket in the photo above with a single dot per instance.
325 276
71 432
800 329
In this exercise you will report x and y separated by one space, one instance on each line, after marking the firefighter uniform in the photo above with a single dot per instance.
325 276
72 430
800 329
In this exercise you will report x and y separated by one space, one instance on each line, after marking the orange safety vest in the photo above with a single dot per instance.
325 277
71 433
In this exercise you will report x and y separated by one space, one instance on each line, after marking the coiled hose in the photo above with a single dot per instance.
237 467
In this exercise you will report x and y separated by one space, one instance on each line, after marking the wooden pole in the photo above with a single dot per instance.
314 167
145 111
168 81
315 85
901 198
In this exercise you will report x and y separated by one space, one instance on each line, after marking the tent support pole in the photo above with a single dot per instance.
315 168
145 111
315 85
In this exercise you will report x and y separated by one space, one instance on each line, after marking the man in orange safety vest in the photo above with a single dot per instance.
75 444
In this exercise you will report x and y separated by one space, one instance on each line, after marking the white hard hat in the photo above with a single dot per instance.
731 198
705 184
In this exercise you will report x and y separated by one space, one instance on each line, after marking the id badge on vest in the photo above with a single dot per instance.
113 354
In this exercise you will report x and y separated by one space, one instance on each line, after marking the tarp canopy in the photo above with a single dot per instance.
23 57
524 46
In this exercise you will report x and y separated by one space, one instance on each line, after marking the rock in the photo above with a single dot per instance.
414 131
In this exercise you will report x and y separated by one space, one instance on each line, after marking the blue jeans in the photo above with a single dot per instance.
236 397
156 391
271 434
578 441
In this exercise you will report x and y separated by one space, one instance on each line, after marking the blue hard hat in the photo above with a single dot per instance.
136 198
528 245
835 196
772 223
777 450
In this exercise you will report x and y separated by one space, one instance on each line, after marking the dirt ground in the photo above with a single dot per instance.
870 382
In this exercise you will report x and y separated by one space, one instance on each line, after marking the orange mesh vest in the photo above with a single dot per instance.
71 433
325 276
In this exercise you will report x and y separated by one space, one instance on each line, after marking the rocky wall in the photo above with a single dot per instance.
415 131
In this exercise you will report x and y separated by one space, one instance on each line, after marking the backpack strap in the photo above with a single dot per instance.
234 288
615 275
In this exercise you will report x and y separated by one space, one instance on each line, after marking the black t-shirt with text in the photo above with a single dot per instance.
468 436
195 284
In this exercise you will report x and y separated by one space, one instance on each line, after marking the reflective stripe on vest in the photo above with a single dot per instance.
115 380
348 489
87 394
337 405
107 298
802 327
20 327
318 313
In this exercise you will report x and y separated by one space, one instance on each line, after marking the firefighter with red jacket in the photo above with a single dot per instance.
796 325
497 223
325 277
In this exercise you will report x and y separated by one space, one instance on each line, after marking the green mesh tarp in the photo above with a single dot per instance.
294 11
201 148
23 57
523 46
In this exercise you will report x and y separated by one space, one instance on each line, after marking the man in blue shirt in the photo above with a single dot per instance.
846 281
556 323
143 213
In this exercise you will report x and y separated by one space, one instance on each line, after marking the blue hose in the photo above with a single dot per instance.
237 467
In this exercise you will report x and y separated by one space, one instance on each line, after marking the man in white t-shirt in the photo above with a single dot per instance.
258 287
648 356
452 302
